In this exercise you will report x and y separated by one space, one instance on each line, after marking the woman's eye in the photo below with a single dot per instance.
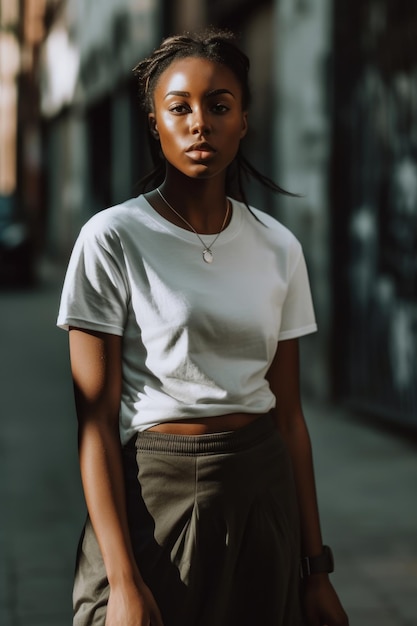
178 108
220 108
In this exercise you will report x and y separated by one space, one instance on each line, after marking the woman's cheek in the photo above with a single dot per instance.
169 123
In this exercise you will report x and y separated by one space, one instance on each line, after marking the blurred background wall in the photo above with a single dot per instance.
334 118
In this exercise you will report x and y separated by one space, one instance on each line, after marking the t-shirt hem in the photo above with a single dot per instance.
127 431
297 332
65 323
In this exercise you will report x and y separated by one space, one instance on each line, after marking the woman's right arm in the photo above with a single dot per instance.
97 376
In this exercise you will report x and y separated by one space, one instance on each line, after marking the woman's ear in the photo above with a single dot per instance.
244 124
153 126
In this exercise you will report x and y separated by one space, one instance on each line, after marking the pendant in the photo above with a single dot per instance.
208 255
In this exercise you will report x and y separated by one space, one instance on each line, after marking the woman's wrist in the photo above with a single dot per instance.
124 575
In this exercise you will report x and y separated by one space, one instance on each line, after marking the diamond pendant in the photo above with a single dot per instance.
208 255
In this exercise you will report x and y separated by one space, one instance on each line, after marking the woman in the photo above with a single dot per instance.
184 307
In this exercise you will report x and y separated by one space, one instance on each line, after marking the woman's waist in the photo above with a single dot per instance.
206 425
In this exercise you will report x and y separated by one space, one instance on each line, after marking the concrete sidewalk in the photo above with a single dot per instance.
41 508
366 483
367 488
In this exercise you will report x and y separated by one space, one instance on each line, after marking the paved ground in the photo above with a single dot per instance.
366 481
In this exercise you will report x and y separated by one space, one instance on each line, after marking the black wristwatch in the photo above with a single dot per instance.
323 563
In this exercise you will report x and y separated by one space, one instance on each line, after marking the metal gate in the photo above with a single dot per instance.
374 193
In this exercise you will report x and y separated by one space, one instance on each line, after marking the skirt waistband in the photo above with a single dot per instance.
210 443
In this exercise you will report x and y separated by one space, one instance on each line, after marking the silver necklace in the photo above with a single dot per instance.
207 252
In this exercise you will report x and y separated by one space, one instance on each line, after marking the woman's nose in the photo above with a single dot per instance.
200 123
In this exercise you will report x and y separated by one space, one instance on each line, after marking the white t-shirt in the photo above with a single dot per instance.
198 338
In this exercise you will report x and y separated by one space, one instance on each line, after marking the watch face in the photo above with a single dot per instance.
324 563
327 551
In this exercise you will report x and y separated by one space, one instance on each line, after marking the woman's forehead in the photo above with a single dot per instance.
193 73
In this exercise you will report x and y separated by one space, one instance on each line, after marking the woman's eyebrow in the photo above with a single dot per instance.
186 94
182 94
218 92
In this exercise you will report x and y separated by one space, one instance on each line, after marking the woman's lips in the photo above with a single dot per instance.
200 152
200 155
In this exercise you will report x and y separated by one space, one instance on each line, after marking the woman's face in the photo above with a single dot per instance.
198 116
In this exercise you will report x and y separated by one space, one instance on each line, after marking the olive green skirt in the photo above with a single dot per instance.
214 525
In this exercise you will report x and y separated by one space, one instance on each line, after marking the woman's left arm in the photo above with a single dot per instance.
322 606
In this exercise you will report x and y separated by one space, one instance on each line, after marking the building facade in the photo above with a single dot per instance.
22 204
374 229
94 146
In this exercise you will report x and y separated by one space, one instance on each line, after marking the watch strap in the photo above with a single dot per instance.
322 563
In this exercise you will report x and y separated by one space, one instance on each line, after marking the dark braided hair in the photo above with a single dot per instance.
214 45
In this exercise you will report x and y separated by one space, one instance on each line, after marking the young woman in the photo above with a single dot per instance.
184 307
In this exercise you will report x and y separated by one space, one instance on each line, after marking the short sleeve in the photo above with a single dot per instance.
95 294
298 313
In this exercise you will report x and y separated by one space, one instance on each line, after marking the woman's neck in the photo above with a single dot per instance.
202 203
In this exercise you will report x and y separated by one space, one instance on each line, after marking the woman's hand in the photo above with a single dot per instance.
322 606
132 605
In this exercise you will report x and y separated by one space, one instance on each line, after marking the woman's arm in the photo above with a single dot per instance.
322 604
96 370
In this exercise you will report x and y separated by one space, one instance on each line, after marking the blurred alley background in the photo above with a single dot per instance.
334 118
